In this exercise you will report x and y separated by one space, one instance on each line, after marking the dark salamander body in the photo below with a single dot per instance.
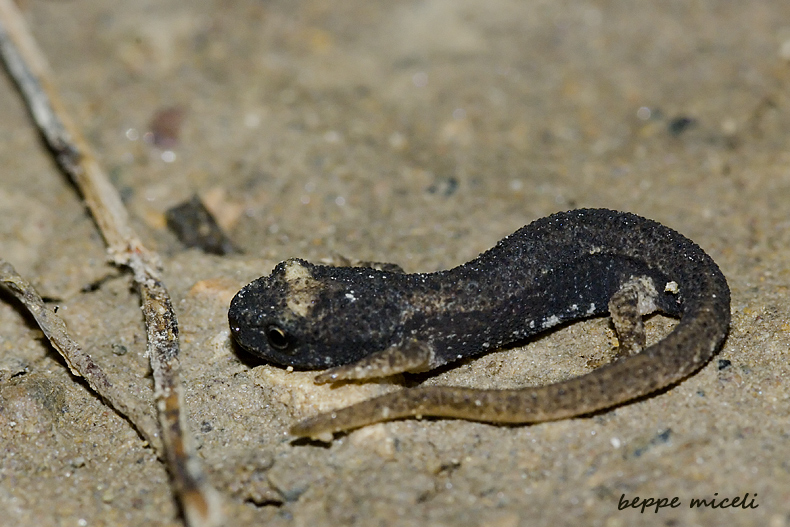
564 267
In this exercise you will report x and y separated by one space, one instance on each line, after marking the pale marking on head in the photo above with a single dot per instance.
672 287
302 288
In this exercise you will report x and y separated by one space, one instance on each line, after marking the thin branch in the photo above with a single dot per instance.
28 66
79 362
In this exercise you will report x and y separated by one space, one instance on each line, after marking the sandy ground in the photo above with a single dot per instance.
420 133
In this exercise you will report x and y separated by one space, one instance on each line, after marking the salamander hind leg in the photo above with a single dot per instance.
411 357
634 299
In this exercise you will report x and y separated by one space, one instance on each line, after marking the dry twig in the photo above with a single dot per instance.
28 66
79 362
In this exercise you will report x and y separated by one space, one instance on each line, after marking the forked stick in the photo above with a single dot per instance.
28 67
79 362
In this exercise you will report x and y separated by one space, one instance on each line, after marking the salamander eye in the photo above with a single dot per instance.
278 339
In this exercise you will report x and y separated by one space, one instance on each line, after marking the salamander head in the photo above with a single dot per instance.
312 317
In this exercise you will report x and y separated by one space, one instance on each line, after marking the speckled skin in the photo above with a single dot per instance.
560 268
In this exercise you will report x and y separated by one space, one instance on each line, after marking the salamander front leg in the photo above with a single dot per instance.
412 357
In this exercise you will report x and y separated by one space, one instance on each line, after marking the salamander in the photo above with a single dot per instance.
366 322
